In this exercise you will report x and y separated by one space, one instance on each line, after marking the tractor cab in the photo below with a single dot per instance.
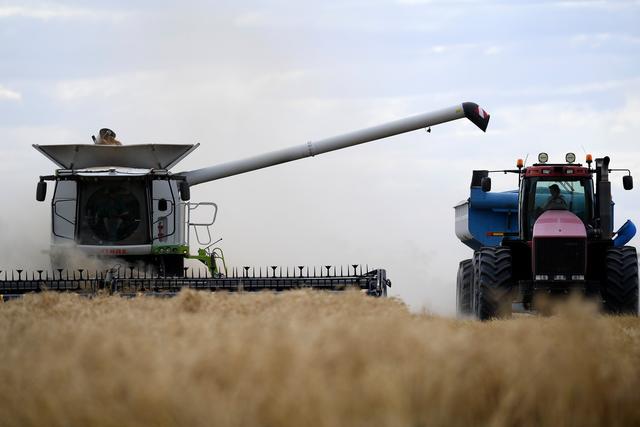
552 187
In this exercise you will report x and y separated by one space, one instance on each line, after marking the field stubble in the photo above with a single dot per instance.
308 359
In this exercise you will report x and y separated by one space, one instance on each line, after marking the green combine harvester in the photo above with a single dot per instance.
123 205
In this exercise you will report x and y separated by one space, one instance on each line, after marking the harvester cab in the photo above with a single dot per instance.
132 209
554 235
124 204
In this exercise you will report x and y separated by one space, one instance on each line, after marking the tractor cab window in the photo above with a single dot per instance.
549 194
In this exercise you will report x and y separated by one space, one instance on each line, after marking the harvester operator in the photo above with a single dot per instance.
106 137
555 201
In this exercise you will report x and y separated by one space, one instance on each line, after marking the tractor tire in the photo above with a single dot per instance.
464 287
493 283
620 288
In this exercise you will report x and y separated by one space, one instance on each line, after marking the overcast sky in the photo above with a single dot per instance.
245 77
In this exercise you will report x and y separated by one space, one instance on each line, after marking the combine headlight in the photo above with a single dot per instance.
559 277
577 277
570 157
543 158
542 277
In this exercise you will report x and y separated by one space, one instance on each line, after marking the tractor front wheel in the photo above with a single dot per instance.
493 283
620 290
464 287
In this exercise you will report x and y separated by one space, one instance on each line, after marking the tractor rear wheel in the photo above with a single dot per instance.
493 283
464 287
620 290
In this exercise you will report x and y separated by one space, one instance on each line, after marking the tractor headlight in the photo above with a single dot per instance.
543 158
570 157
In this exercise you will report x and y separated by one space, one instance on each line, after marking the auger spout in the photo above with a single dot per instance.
469 110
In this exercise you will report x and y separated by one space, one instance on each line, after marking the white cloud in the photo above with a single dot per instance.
105 88
624 85
493 50
250 19
442 48
464 47
46 13
85 88
608 130
599 39
600 4
9 94
575 4
413 2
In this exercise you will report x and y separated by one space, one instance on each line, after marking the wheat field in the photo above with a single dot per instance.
308 359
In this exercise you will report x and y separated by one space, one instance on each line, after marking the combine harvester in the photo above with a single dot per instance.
554 235
123 205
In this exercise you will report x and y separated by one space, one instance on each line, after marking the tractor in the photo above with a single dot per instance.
552 236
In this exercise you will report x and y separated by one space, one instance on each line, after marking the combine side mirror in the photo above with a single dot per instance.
185 191
41 191
162 205
486 184
627 182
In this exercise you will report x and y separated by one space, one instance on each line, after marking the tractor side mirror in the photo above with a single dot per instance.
41 191
185 191
627 182
162 205
485 184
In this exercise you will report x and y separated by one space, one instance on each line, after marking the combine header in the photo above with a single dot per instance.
134 281
122 205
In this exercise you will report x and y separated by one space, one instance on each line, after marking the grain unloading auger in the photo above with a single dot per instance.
122 204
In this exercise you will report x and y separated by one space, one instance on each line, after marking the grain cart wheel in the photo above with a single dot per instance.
474 281
620 290
493 283
464 284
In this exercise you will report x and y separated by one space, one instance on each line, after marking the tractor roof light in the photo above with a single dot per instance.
519 163
589 159
570 157
543 158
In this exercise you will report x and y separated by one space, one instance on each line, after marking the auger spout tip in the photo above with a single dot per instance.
476 114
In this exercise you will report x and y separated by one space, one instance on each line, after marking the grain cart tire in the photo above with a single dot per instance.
464 287
474 283
620 290
493 283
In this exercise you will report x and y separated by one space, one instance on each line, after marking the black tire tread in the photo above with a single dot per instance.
620 290
493 283
464 284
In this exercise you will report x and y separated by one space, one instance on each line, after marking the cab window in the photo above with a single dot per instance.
550 194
